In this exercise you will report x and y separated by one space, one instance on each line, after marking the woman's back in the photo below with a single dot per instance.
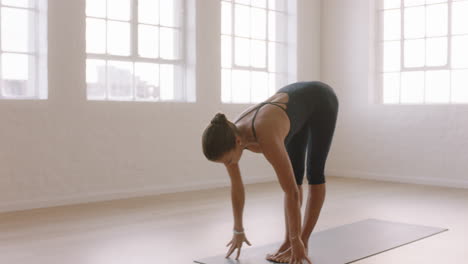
298 101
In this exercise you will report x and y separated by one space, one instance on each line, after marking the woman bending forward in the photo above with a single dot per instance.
298 118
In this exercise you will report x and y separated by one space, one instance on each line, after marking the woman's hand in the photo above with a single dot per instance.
298 252
236 242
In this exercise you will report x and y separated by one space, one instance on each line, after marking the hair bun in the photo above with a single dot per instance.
219 118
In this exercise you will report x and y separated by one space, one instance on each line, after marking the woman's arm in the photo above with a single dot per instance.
237 195
275 152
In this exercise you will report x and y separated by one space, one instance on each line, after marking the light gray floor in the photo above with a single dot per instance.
344 244
178 228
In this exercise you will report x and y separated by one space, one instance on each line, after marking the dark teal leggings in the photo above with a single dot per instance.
316 137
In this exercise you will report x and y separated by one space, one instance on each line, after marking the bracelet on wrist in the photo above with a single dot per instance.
238 232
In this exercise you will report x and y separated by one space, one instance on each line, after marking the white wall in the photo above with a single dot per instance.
420 144
69 150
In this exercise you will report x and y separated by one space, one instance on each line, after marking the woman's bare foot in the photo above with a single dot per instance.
282 248
285 256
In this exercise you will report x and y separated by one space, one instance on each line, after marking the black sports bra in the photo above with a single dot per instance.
255 115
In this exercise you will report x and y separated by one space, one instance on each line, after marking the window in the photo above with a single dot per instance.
23 48
423 55
134 50
254 49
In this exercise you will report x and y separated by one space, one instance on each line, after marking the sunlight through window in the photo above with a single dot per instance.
134 50
253 49
23 49
422 55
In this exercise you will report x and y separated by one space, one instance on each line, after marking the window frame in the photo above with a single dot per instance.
37 71
283 75
179 64
380 41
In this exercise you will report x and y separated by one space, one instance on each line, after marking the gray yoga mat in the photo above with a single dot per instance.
340 245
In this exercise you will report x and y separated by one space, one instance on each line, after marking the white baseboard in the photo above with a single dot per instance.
122 194
442 182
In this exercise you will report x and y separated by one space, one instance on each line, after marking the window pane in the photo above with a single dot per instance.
15 66
272 51
147 81
18 3
276 26
169 43
118 38
412 87
245 2
15 30
240 86
242 21
391 3
391 88
436 51
281 58
258 55
415 22
167 81
168 15
437 20
242 52
281 79
226 18
120 79
437 87
272 83
460 86
226 51
148 41
118 9
15 75
391 56
96 79
271 25
435 1
148 11
226 85
392 24
277 57
259 23
259 84
460 52
16 89
95 8
281 30
259 3
279 5
95 35
460 17
415 53
414 2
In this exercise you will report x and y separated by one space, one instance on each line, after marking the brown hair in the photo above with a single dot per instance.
219 137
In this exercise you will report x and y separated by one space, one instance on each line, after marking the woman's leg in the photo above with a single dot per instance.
315 200
321 131
312 212
296 151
